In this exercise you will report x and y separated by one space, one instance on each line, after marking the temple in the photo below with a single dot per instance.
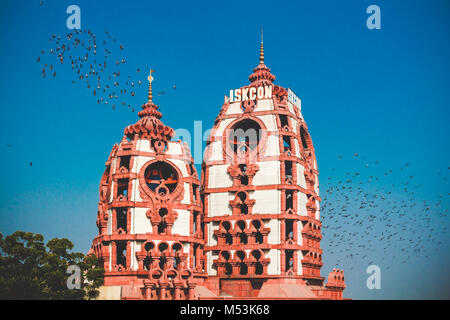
250 230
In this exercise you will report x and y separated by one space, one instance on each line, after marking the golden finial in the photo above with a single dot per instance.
261 53
150 79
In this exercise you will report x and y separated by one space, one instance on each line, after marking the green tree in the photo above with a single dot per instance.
31 270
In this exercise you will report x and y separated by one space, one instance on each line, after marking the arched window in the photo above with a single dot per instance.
121 216
147 263
162 225
228 268
304 137
122 187
258 266
242 206
228 237
243 238
162 247
244 136
161 174
243 269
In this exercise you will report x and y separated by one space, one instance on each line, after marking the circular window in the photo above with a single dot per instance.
245 136
161 177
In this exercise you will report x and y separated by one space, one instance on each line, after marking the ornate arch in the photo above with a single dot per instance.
230 156
147 194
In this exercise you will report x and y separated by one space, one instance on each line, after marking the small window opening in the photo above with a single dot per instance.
290 259
121 253
287 143
121 215
259 268
162 225
258 236
125 162
194 190
289 199
228 269
122 187
242 266
228 238
195 221
243 207
289 230
288 169
283 120
147 263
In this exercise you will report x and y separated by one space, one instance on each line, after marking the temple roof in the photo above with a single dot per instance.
150 124
261 74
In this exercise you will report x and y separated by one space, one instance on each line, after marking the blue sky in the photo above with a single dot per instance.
383 94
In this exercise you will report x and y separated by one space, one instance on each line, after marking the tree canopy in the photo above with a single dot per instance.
30 269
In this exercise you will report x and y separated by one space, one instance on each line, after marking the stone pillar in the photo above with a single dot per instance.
148 289
295 262
163 285
178 286
295 231
114 220
250 238
128 257
169 228
154 228
265 237
265 266
128 221
235 238
251 268
197 258
220 268
114 254
235 266
141 257
220 239
283 230
191 286
191 255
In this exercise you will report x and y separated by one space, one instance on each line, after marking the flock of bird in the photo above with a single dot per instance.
380 218
96 62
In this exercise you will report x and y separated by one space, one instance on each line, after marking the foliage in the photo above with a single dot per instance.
31 270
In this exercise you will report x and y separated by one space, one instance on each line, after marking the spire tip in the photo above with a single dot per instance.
150 79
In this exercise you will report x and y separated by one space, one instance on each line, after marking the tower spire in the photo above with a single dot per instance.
261 73
150 79
149 124
261 52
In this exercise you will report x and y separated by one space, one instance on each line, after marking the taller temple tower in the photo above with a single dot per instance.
260 191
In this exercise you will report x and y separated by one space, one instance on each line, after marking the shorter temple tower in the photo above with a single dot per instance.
149 216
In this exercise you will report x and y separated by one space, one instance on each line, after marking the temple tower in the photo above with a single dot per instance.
149 216
260 193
